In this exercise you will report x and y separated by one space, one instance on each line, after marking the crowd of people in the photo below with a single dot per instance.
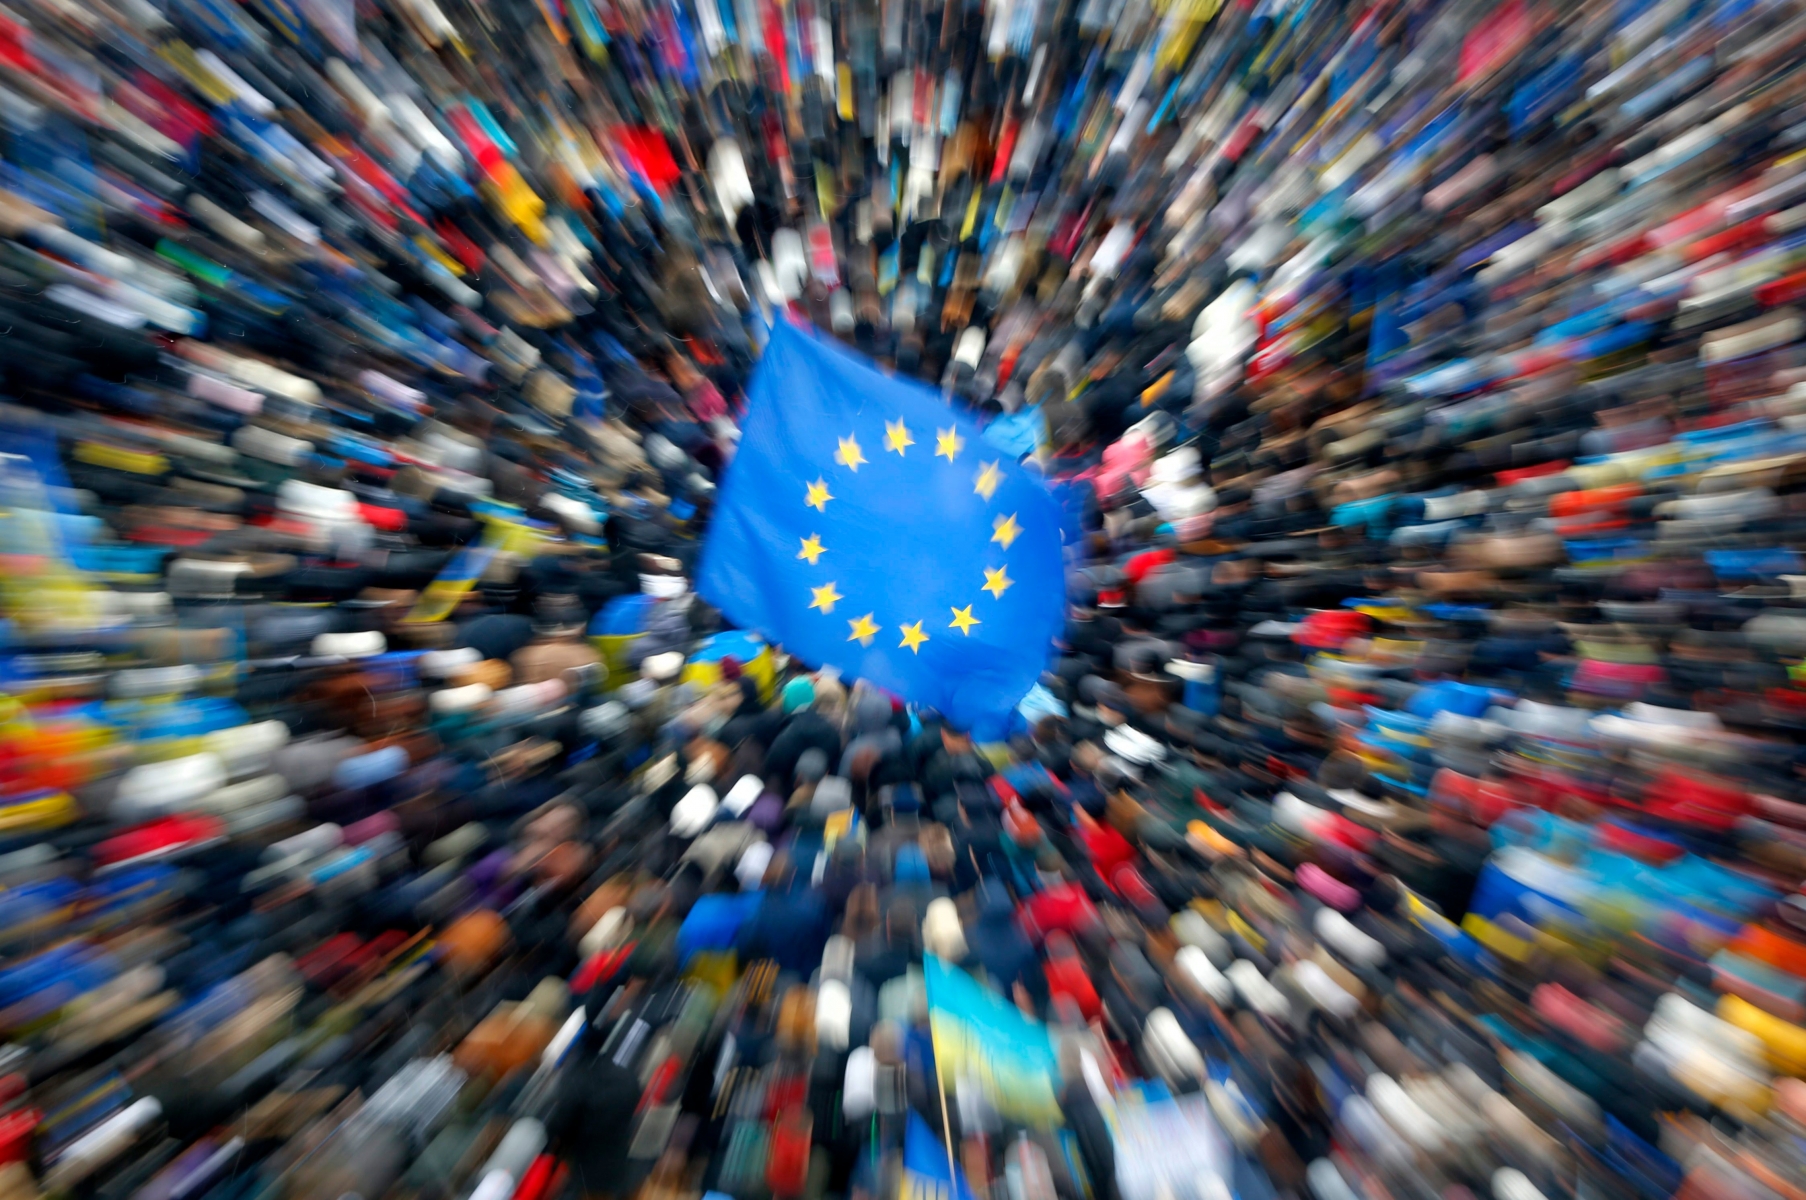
1412 803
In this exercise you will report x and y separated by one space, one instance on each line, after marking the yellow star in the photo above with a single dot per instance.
825 597
848 455
863 630
897 436
1005 530
813 549
988 479
997 582
948 442
963 620
913 637
818 496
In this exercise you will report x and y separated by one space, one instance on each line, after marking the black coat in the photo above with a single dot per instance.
806 730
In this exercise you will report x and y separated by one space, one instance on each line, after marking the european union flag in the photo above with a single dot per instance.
865 524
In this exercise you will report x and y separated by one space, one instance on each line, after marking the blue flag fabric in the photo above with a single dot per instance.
927 1174
864 524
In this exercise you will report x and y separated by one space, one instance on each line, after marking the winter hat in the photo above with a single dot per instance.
750 870
941 932
799 694
811 765
694 811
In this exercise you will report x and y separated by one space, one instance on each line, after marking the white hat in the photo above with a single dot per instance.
1169 1051
349 645
740 797
837 958
662 666
859 1092
1201 971
162 787
694 811
1133 745
606 933
1349 942
727 171
941 931
833 1014
1324 991
1256 992
750 870
1181 466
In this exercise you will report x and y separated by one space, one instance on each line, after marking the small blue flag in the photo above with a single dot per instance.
865 525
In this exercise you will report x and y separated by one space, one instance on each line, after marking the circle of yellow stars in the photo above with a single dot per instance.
1005 530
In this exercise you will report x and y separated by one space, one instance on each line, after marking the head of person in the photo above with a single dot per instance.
799 694
811 766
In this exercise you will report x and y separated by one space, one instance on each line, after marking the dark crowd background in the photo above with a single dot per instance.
1412 807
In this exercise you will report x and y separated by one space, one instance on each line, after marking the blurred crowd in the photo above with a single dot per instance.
1412 807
